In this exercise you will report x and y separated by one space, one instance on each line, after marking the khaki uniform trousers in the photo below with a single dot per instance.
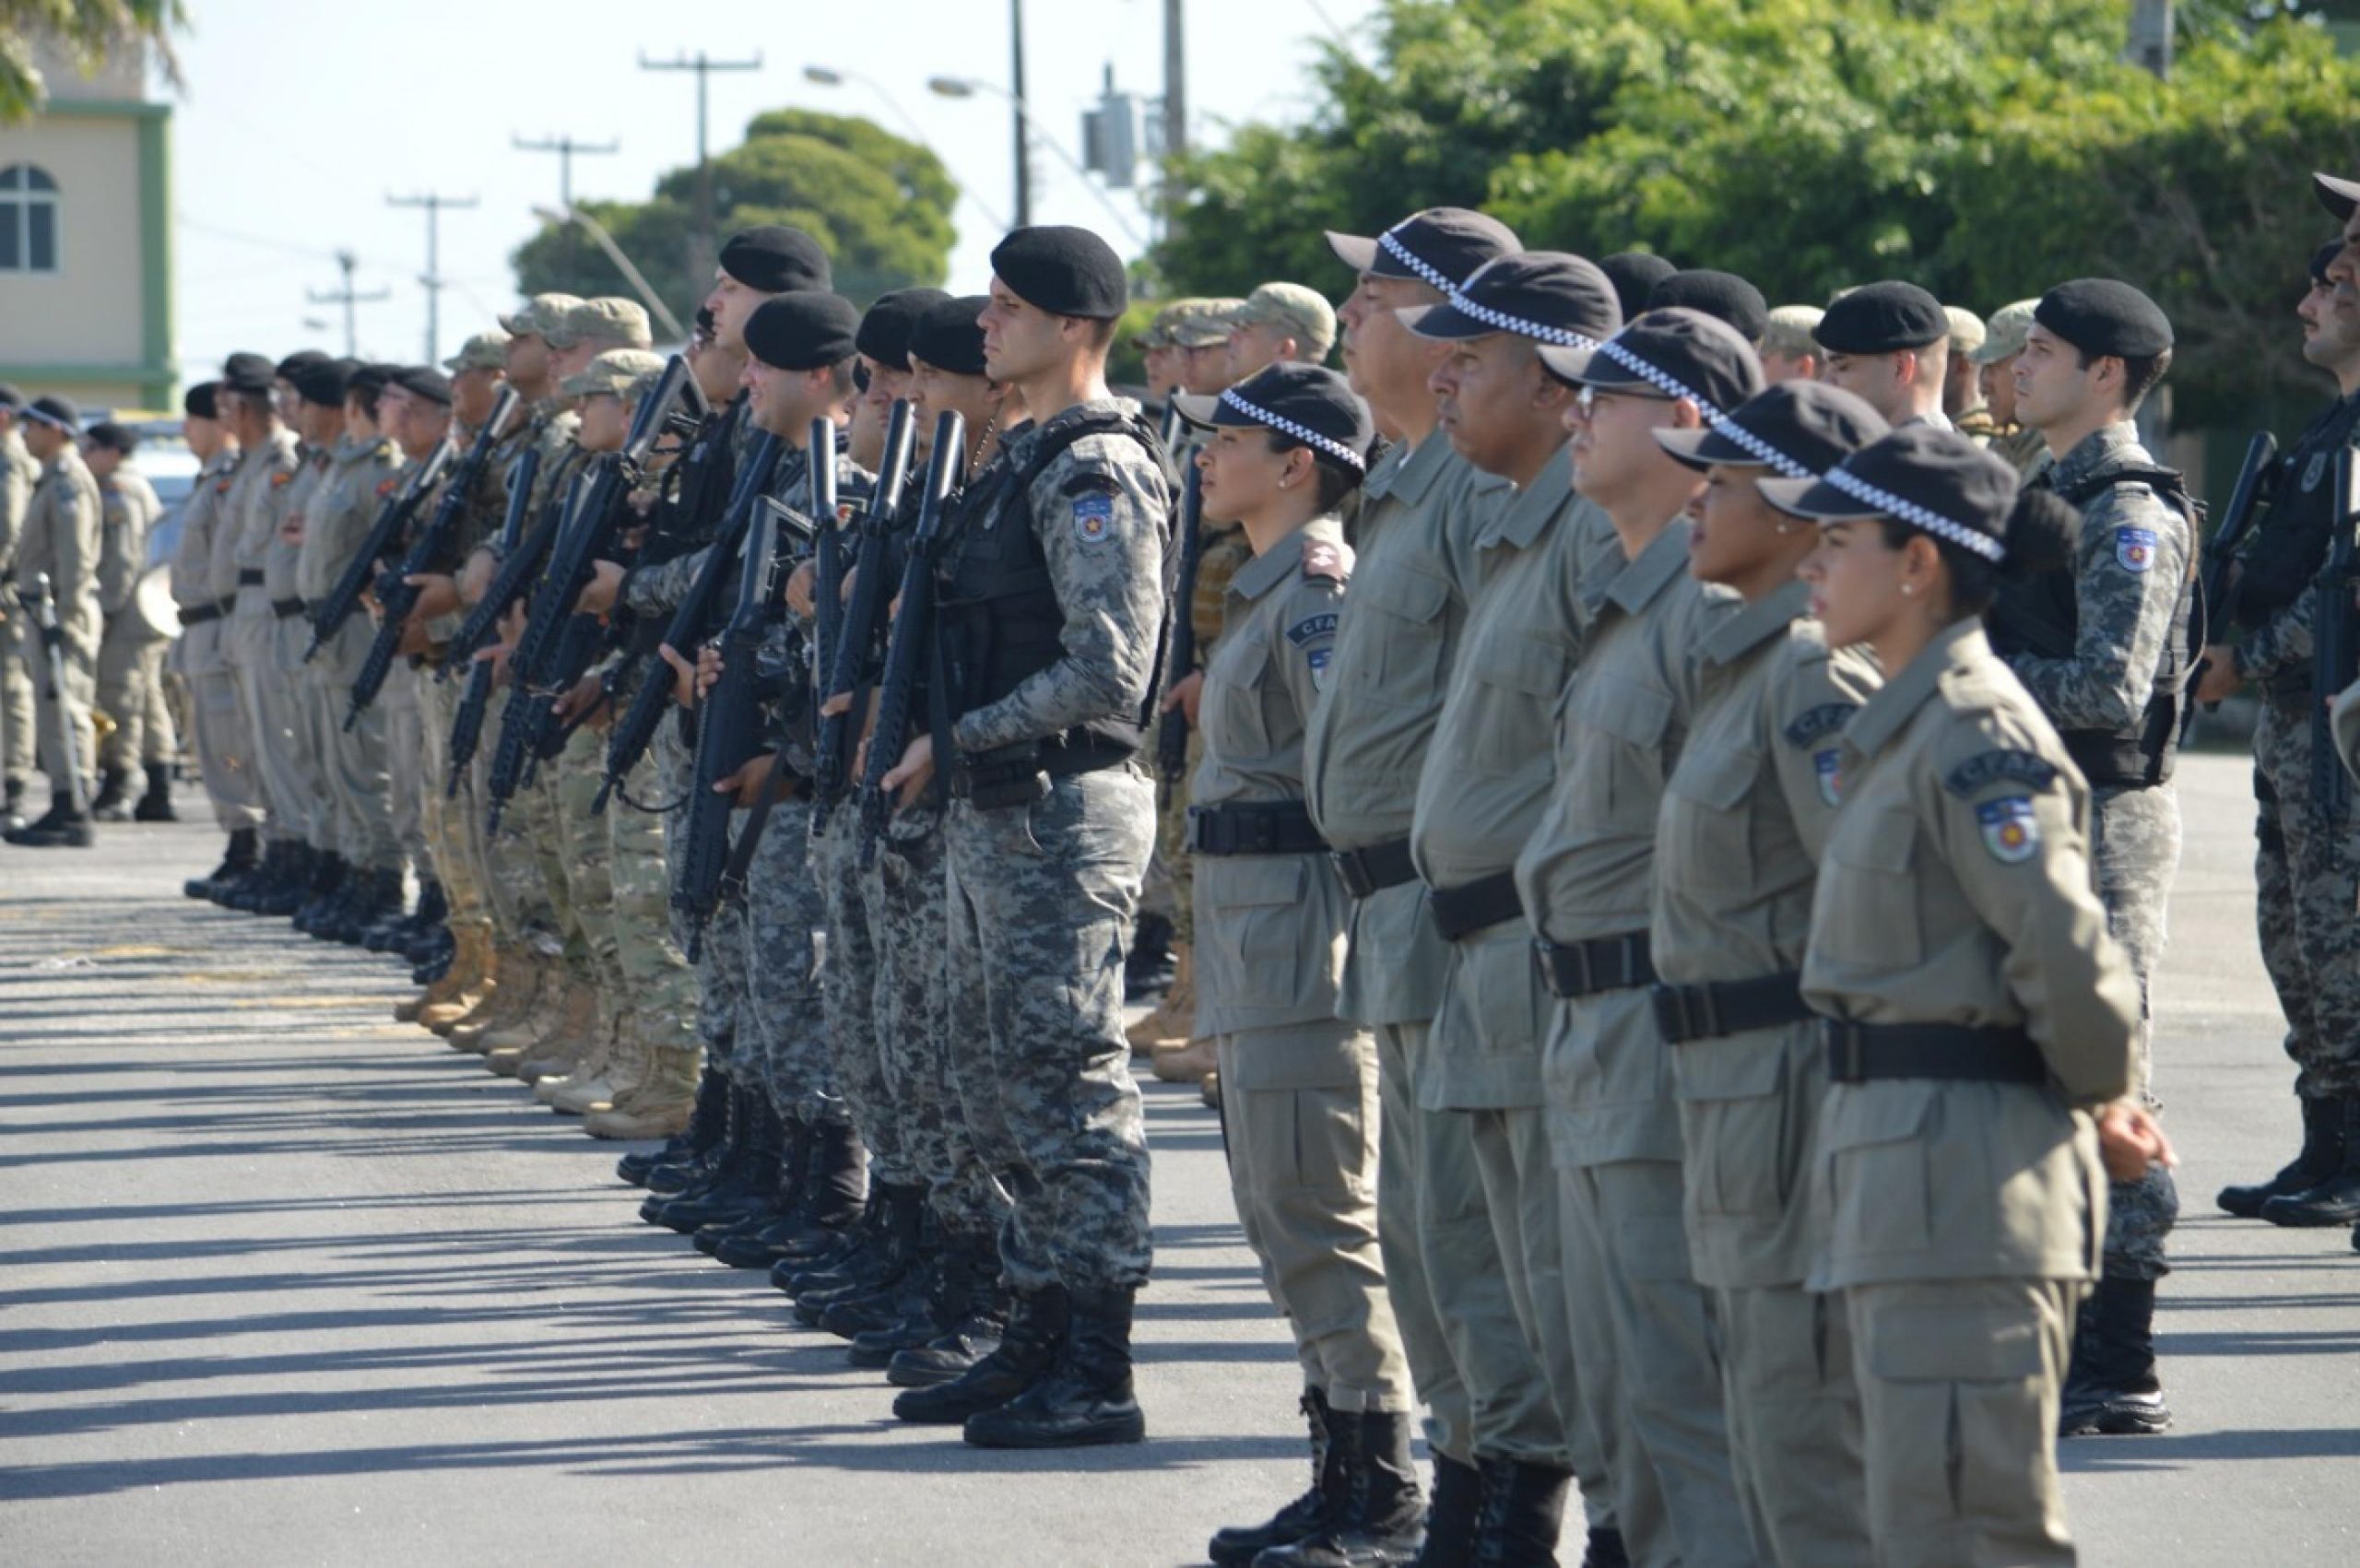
406 765
16 686
1300 1118
225 751
131 693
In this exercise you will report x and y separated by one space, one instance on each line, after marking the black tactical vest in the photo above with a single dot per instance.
2291 545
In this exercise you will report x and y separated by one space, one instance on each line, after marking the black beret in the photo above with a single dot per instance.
1936 481
369 380
806 329
950 336
2324 255
776 259
198 402
303 358
426 381
1677 353
885 326
1722 294
1800 428
10 397
323 383
1635 275
1063 270
1441 246
2104 316
1315 406
1562 303
1882 318
247 367
118 438
56 412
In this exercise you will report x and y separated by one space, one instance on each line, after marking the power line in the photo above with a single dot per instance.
433 203
701 240
348 297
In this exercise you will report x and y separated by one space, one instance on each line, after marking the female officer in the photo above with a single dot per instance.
1298 1086
1979 1020
1745 815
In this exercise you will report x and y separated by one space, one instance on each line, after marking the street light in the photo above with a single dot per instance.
968 87
606 242
829 76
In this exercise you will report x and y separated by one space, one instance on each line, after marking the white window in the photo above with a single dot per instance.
27 219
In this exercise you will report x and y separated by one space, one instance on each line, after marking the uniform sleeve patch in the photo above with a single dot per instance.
387 486
1828 765
1827 719
1979 772
1093 517
1317 658
281 478
1303 630
2134 549
2011 831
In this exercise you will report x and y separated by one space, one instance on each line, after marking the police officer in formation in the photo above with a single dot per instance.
1684 835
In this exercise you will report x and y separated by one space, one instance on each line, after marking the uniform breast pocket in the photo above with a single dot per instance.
1633 717
1867 910
1708 817
1403 662
1260 920
1518 684
1235 708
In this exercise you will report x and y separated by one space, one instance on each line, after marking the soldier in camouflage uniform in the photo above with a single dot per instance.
131 657
1052 613
2307 860
2113 687
1995 373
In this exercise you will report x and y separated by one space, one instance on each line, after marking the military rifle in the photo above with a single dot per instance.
2335 642
466 725
912 627
1172 733
2246 500
385 536
857 631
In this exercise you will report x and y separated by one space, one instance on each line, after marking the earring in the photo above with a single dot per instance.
1784 528
1909 590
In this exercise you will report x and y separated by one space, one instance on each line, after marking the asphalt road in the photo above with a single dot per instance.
283 1281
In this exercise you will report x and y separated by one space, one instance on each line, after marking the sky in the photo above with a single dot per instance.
297 120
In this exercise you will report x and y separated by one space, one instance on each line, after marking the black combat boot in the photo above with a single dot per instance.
832 1269
326 880
794 1156
396 927
1233 1546
721 1163
2110 1386
952 1284
691 1142
1148 967
746 1189
112 803
1523 1509
877 1269
61 828
1605 1548
2334 1198
821 1199
238 860
971 1314
432 961
12 805
1451 1512
376 891
338 922
893 1304
2322 1156
267 877
156 805
298 871
1086 1397
1030 1347
1380 1521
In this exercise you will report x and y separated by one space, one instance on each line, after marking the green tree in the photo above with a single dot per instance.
879 205
89 32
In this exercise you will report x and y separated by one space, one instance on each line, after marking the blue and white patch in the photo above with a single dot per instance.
2134 548
1825 719
2011 831
2314 471
1317 659
1093 519
1829 766
1983 768
1303 630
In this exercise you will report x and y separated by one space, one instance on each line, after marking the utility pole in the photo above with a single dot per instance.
2151 37
346 296
434 203
701 248
1175 111
1023 127
565 147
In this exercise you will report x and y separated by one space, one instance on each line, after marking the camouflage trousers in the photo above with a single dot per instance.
517 895
534 820
785 1026
451 822
848 995
907 913
1169 889
720 962
2307 879
131 692
2134 852
623 900
1041 903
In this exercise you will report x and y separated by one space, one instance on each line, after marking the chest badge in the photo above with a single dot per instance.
2010 830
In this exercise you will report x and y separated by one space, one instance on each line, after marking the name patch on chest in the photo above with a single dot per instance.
1825 719
1987 768
1303 630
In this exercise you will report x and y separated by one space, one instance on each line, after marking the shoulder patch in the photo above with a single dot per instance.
1333 562
1987 768
2011 831
1090 481
1317 659
1093 517
1303 630
1825 719
2134 548
387 486
1827 766
221 486
281 478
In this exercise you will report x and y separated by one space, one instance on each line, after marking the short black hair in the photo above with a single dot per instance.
2139 375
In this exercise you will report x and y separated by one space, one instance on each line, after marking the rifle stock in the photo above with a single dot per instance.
385 535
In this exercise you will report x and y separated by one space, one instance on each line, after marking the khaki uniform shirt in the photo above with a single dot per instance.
1270 948
1956 889
1397 642
62 539
361 476
197 651
292 501
245 538
1746 814
127 510
17 472
1589 870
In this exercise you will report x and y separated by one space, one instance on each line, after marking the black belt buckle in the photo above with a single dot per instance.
1353 871
1848 1052
1688 1012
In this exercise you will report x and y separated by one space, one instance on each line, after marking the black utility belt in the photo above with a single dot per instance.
1282 827
2113 763
1861 1053
197 615
287 609
1722 1007
249 577
1474 906
1601 963
1370 870
1019 775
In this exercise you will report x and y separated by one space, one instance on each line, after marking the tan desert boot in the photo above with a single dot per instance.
659 1106
1174 1015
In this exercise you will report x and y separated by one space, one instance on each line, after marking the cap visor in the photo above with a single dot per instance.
1355 251
1691 449
2338 196
1197 408
1443 323
1565 361
1600 371
1814 499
